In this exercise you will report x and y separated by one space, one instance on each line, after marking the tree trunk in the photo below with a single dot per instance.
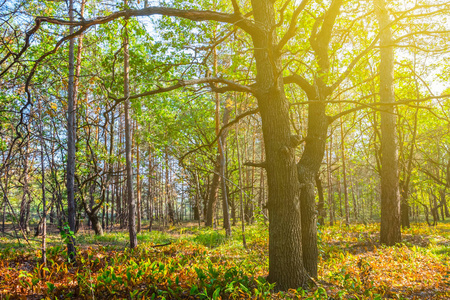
71 144
138 188
344 172
308 167
447 214
129 170
150 201
404 208
44 200
222 147
285 227
330 184
390 232
321 205
241 196
26 196
95 222
170 208
218 172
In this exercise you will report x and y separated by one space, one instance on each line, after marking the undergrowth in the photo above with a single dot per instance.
193 263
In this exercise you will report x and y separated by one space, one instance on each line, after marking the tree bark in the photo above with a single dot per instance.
26 197
138 187
321 205
221 142
285 228
44 200
218 172
241 196
70 185
129 170
308 167
390 232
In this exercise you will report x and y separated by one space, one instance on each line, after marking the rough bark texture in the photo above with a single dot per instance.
96 224
285 233
308 167
390 233
315 141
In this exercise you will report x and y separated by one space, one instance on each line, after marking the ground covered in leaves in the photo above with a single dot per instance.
203 264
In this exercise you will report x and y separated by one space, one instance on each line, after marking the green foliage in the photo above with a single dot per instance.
202 264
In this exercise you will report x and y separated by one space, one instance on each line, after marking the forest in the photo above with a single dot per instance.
224 149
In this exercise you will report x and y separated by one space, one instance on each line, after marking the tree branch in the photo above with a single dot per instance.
194 15
230 86
225 127
292 27
302 83
256 164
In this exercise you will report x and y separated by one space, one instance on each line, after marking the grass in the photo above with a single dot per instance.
202 263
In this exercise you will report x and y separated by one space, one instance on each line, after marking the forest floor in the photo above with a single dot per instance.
203 264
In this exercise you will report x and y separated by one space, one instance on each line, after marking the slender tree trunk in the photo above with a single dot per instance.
218 172
241 197
44 202
225 209
138 188
71 144
390 232
330 184
344 173
222 147
150 201
26 196
129 170
170 206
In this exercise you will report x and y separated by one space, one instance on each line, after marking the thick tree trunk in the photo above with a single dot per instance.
96 224
285 227
308 167
390 232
